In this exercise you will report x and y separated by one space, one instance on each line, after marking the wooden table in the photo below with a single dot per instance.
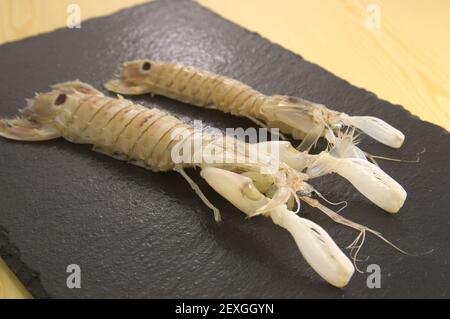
398 49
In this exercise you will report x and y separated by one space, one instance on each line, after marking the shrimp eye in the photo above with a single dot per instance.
146 66
60 99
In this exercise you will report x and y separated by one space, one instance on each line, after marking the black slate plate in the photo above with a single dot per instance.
140 234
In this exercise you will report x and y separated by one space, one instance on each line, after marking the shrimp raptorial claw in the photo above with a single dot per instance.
369 179
310 119
375 128
316 246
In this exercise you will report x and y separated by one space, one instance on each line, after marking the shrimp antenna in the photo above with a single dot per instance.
344 202
373 157
356 244
355 247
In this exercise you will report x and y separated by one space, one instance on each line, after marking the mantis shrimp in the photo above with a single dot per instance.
295 116
298 117
150 137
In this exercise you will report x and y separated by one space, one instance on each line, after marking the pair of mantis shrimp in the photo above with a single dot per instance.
150 137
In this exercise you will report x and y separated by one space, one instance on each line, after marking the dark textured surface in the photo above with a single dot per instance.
141 234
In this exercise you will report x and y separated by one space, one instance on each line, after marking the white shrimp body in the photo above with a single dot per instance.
295 116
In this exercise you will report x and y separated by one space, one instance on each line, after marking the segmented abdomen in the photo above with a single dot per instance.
120 128
203 88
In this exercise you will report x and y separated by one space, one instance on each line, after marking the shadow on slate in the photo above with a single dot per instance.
135 233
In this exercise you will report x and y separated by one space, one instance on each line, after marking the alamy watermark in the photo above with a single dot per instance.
374 279
73 20
373 19
74 278
236 146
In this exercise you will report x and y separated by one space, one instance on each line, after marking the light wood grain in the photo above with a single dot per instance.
10 286
23 18
406 61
